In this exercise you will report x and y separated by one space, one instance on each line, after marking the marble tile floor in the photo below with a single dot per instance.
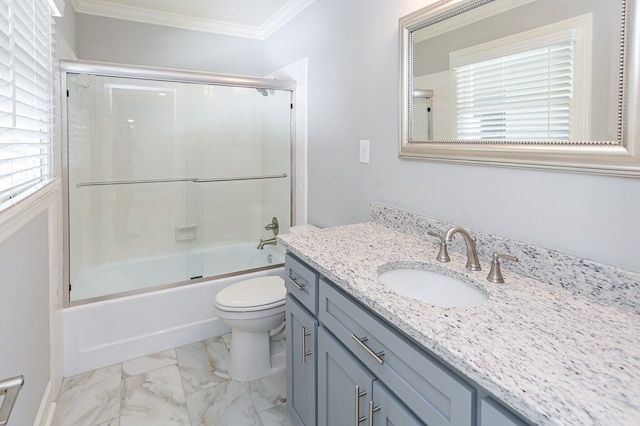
185 386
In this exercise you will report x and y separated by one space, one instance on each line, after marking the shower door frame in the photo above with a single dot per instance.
148 73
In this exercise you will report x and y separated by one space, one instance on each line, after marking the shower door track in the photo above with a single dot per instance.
194 180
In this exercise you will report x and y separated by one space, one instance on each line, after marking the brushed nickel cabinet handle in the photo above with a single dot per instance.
372 410
293 281
358 394
377 356
305 353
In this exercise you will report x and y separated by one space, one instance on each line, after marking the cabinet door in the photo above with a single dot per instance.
387 410
301 363
344 385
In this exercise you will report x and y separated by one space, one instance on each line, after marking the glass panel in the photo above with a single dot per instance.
147 206
236 133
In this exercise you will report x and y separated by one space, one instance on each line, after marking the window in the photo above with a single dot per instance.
25 98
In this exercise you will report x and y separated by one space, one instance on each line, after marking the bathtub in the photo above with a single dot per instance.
111 331
133 275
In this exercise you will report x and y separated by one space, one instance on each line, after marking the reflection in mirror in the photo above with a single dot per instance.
422 116
527 83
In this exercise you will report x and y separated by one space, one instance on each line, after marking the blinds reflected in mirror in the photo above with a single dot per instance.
524 96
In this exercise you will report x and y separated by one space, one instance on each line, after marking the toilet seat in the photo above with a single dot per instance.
254 294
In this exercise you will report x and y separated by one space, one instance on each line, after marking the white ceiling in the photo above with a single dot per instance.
241 18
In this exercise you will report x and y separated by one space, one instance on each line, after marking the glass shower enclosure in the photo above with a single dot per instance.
171 177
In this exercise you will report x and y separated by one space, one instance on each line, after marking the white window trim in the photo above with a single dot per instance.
57 7
579 29
15 217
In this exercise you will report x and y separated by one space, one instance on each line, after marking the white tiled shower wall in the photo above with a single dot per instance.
442 108
190 132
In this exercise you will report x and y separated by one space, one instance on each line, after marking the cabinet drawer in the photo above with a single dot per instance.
436 395
301 282
493 414
390 411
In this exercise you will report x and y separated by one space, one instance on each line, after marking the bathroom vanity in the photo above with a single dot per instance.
348 366
534 353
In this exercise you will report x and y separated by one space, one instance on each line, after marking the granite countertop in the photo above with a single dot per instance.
555 357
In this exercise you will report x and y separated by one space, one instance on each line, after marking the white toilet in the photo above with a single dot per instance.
254 310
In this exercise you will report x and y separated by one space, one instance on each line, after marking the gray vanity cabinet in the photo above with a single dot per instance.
436 396
344 385
348 366
302 283
301 332
387 410
349 394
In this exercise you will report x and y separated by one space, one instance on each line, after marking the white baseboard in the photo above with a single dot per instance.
47 407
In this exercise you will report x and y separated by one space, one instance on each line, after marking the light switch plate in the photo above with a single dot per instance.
364 151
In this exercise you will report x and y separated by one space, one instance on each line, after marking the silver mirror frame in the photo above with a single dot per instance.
616 158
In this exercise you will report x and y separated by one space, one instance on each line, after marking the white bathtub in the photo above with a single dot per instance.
108 332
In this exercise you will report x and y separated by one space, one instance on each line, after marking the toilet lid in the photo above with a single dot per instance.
260 293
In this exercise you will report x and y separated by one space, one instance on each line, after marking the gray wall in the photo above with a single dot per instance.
352 49
24 328
113 40
432 55
353 94
66 25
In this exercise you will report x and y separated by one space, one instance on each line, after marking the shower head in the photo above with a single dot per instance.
263 92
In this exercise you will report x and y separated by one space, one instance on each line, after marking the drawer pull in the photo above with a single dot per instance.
358 395
377 356
305 353
372 410
293 281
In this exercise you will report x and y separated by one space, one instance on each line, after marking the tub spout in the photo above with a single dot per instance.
271 241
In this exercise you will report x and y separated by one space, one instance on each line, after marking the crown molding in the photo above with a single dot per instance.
150 16
284 15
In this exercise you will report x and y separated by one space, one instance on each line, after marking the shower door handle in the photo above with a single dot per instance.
10 388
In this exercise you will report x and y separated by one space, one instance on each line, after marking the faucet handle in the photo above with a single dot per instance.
495 274
273 226
443 253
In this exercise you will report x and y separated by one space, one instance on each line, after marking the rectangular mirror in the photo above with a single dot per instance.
550 84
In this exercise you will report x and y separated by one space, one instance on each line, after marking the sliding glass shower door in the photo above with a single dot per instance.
172 181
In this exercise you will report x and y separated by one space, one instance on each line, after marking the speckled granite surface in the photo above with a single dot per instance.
551 351
601 282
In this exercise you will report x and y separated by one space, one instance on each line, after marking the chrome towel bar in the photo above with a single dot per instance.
10 388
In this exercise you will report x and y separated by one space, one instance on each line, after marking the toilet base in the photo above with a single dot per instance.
253 356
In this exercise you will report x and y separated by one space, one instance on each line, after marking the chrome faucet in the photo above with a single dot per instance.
472 256
271 241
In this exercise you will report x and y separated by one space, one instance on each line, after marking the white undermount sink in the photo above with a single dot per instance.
433 287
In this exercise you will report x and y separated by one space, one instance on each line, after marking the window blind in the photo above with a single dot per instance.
25 98
521 96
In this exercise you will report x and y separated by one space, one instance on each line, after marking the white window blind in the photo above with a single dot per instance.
25 98
521 96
